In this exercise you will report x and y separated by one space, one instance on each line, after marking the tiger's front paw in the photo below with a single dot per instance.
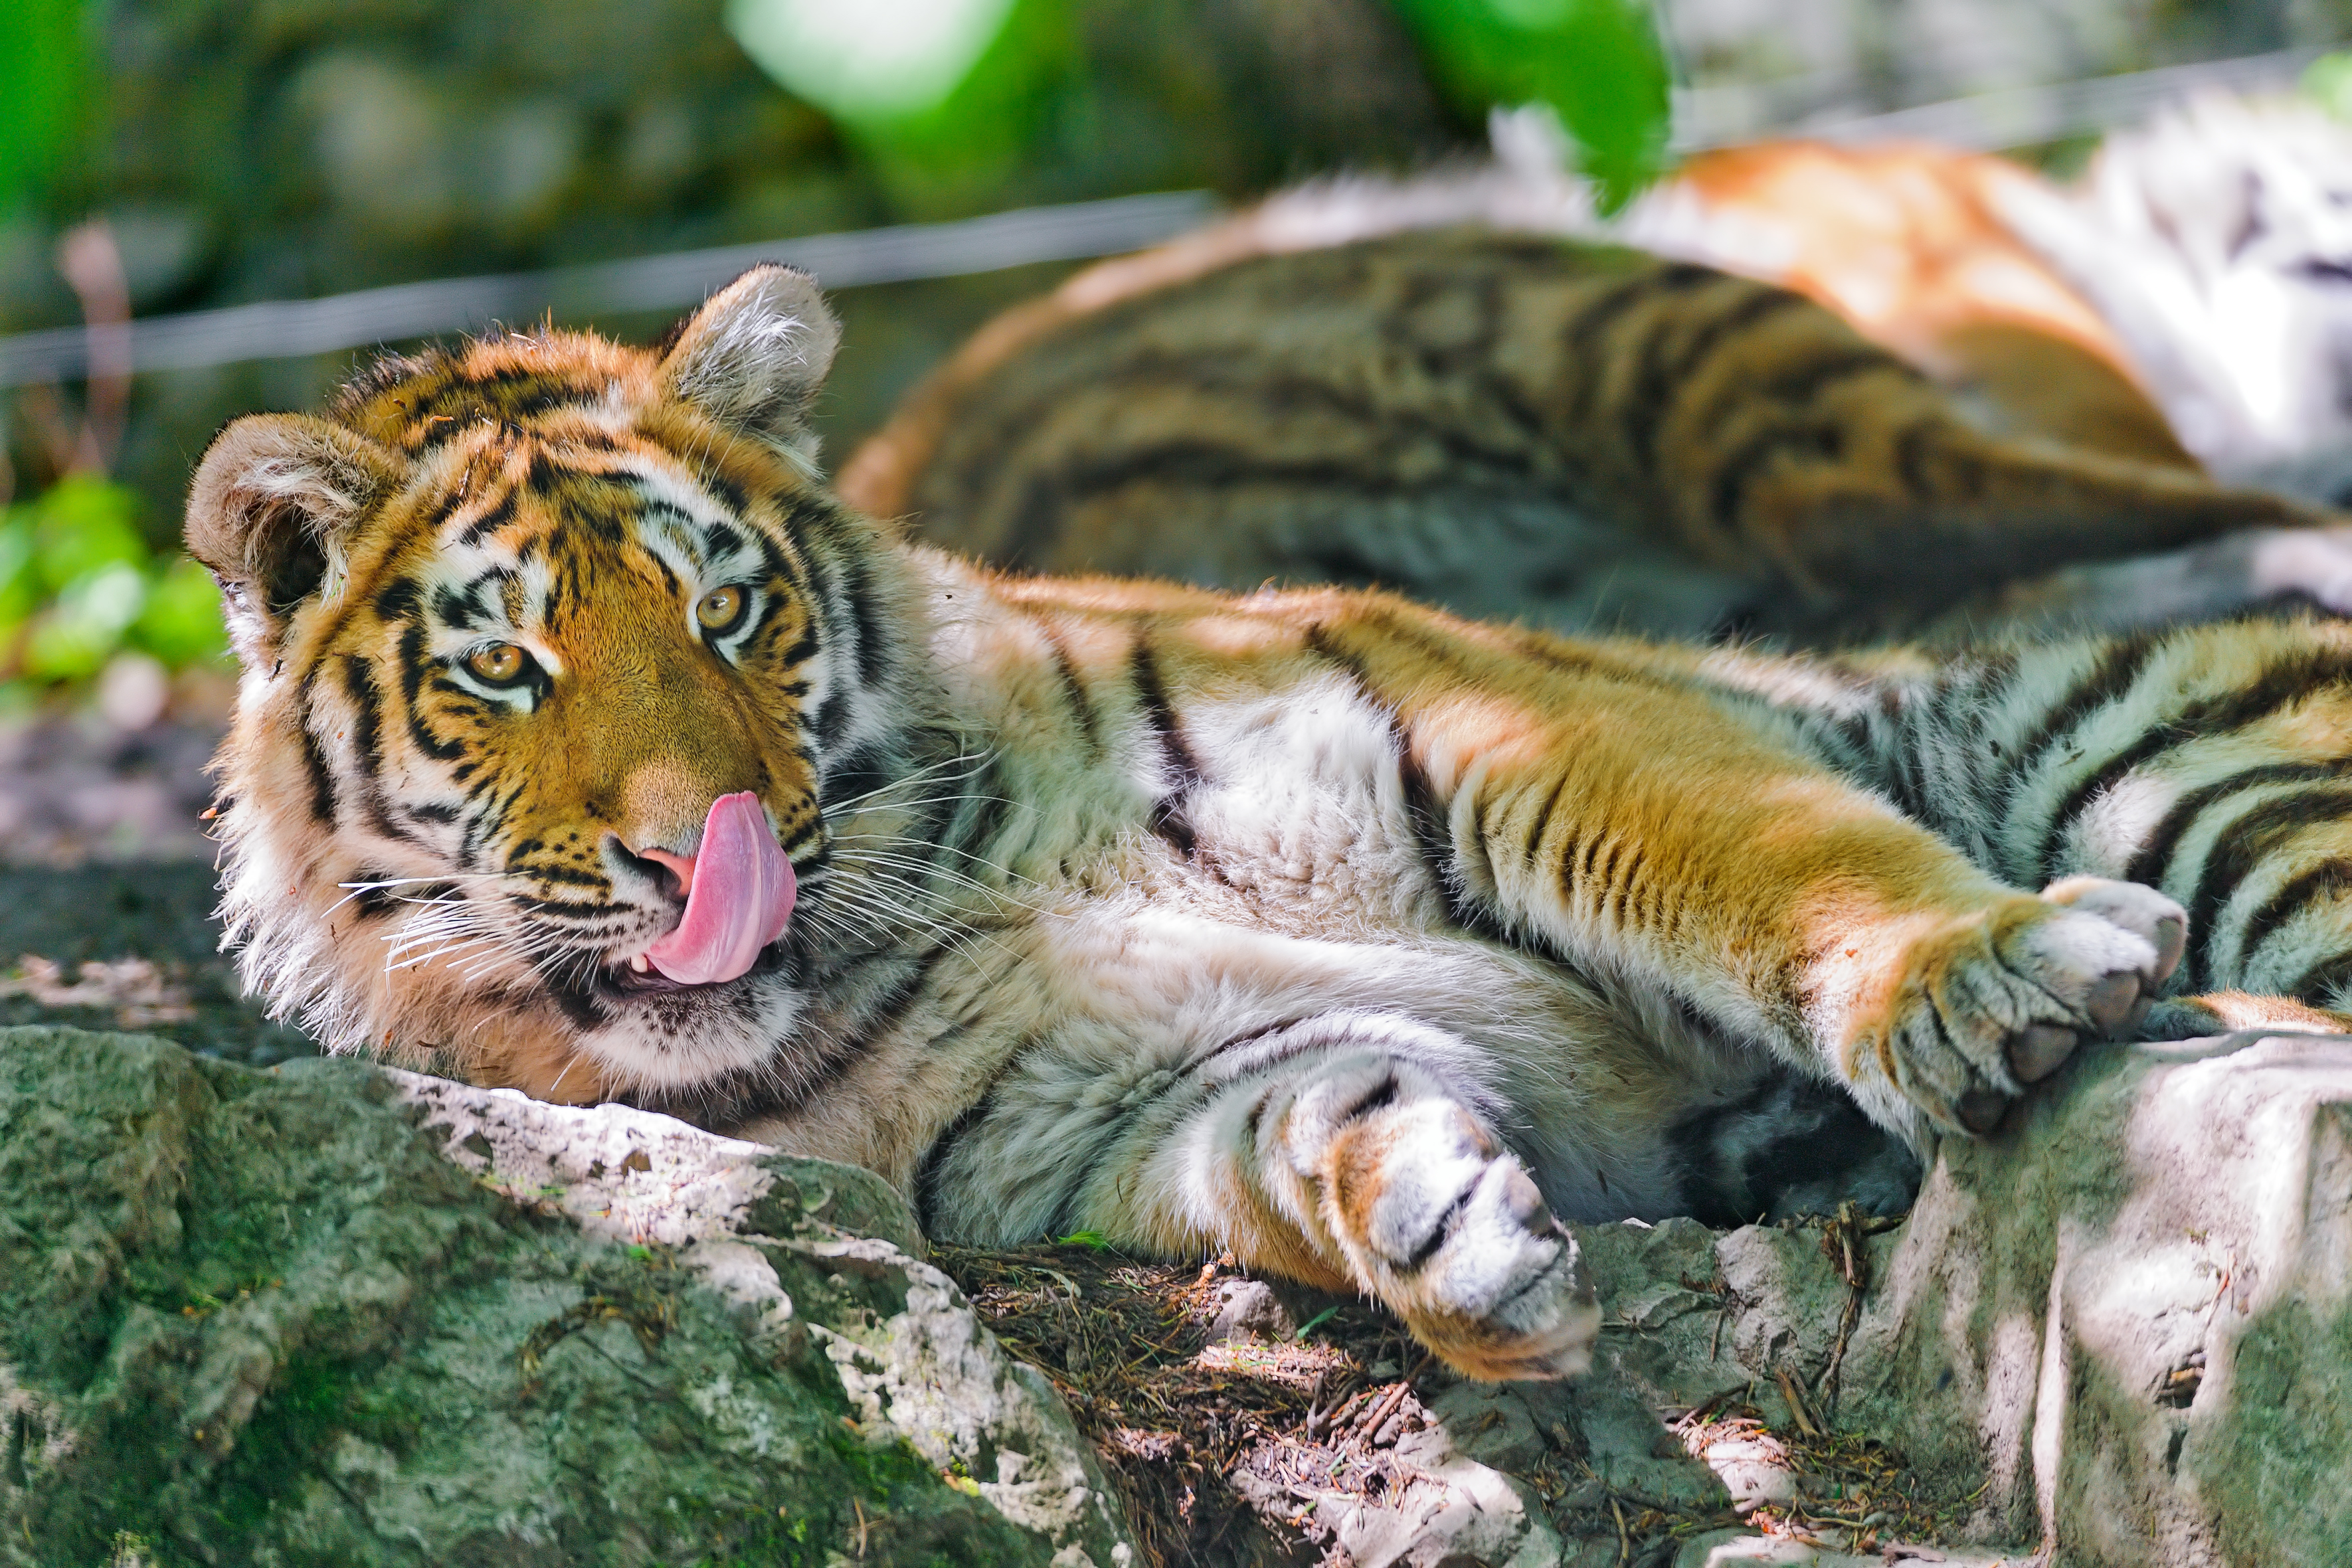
1995 1002
1447 1227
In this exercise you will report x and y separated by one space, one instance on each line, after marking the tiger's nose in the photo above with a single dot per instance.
680 866
652 863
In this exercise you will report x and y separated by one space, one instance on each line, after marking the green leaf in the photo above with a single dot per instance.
81 524
937 135
20 585
1317 1321
2327 80
75 636
1596 63
181 623
44 72
1094 1240
881 61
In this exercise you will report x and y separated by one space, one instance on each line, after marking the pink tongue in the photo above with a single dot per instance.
740 897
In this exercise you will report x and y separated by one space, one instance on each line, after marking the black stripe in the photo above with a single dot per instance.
1543 818
2115 671
724 490
1580 335
1168 819
366 737
493 519
1199 465
314 759
832 718
398 600
979 817
1926 437
1802 383
366 731
873 633
2148 864
1073 689
781 560
1758 455
803 648
856 774
2290 678
375 902
558 872
1431 836
2240 850
2329 878
891 1011
2322 984
1662 376
414 665
457 610
565 908
930 1170
1448 1223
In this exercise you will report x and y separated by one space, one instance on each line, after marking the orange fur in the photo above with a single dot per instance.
1906 242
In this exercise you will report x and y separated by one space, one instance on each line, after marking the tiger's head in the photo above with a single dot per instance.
557 660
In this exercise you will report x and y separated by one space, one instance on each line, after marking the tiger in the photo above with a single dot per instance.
1399 386
2216 242
587 744
1910 244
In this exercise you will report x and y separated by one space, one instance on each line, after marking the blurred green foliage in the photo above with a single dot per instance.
2328 81
953 91
43 69
1596 63
78 585
938 95
256 149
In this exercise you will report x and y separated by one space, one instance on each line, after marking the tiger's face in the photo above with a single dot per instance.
546 645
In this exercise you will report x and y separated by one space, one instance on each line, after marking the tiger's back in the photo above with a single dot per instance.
1508 425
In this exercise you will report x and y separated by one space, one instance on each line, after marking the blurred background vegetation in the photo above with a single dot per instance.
248 149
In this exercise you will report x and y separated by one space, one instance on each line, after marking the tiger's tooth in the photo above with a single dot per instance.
639 964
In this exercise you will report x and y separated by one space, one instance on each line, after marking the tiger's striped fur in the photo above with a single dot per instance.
1315 925
1513 424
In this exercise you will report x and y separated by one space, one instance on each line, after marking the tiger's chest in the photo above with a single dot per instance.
1197 876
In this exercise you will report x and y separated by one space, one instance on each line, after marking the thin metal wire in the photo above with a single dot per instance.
286 329
2014 116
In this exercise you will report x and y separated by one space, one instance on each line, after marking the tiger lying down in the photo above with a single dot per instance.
587 744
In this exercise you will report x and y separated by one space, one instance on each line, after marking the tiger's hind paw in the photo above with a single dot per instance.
1450 1231
1996 1001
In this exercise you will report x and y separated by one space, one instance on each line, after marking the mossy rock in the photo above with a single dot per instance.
259 1318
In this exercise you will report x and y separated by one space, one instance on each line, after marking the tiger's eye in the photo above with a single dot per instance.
500 664
720 609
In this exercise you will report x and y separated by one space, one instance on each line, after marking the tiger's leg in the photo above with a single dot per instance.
1358 1152
2214 763
1700 856
1373 1162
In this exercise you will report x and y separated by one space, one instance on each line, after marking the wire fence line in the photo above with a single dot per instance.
2016 115
287 328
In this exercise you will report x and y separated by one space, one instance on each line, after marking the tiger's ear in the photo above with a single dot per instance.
755 354
270 508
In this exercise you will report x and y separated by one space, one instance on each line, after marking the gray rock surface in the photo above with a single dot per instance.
130 946
333 1315
2120 1332
2130 1320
